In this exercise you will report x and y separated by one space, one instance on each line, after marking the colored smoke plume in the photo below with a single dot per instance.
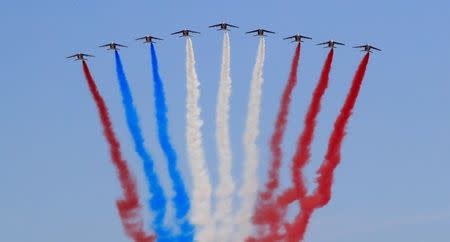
129 207
201 200
248 191
157 198
223 215
180 200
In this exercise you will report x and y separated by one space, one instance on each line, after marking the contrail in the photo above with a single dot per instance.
201 200
129 207
225 189
157 198
265 213
248 191
181 200
322 195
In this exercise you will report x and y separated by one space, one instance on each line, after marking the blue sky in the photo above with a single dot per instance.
56 179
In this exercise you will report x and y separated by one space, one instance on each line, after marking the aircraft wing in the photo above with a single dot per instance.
375 48
195 32
338 43
324 43
106 45
213 26
234 26
179 32
291 37
359 46
72 56
121 45
268 31
305 37
141 38
157 38
88 55
253 31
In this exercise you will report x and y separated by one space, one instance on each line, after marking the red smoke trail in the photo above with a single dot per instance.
322 194
302 154
280 127
129 207
263 214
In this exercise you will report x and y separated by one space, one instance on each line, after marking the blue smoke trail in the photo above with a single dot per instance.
181 199
157 200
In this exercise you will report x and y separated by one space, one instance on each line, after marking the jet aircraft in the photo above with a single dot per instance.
113 46
260 32
185 32
79 56
367 48
297 38
331 44
223 26
149 39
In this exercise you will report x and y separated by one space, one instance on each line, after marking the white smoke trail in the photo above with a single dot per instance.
201 200
249 187
225 189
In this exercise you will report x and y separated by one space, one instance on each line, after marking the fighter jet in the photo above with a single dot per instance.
185 32
79 56
367 48
149 39
113 46
223 26
330 44
297 38
260 32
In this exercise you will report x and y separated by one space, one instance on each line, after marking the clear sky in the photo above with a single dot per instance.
57 182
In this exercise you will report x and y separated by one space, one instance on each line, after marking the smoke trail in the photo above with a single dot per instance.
181 199
248 192
302 154
333 155
129 207
265 213
201 201
225 188
157 199
280 127
322 194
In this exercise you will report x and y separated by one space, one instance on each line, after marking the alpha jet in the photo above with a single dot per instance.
149 39
260 32
185 32
79 56
223 26
330 44
113 46
367 48
297 38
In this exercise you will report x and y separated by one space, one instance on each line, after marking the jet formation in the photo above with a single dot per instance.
223 26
